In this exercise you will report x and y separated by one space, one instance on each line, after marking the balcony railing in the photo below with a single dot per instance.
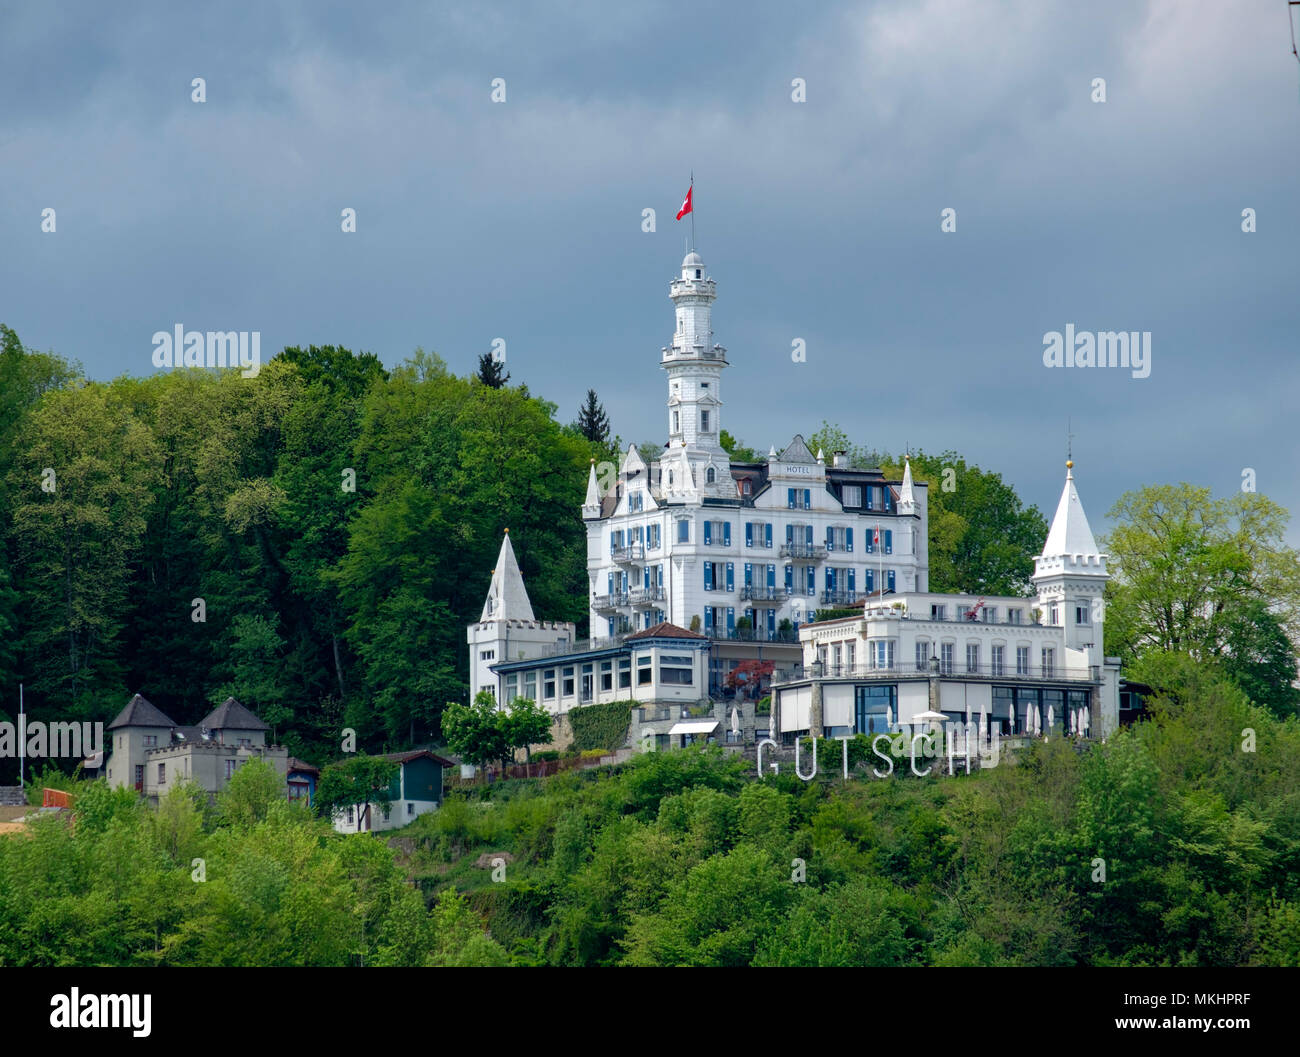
839 598
762 593
646 596
752 635
628 553
807 551
1038 673
607 603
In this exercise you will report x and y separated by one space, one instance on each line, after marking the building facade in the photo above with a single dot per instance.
416 790
753 550
1022 665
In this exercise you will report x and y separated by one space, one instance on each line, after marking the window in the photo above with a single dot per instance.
1022 660
883 651
351 815
1055 614
1081 615
990 614
710 475
387 813
410 808
851 495
746 487
945 658
231 767
704 425
676 669
874 709
568 682
922 656
151 741
587 682
512 687
652 537
244 743
1015 616
162 773
677 428
850 652
972 657
1049 661
938 612
837 657
644 673
997 652
683 531
607 675
487 655
624 673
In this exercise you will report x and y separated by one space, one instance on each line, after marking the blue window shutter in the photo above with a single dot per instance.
812 579
790 497
848 538
807 498
708 576
749 574
611 627
808 536
611 583
789 534
830 538
769 533
771 576
853 580
726 533
889 541
708 617
731 618
708 533
749 533
645 579
871 581
789 577
731 576
890 574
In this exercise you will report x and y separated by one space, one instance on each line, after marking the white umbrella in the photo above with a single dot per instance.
735 720
1051 716
984 726
889 716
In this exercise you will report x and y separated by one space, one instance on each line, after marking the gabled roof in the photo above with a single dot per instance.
231 715
797 451
507 598
415 754
664 631
140 712
295 764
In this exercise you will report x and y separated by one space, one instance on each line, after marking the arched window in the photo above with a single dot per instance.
711 475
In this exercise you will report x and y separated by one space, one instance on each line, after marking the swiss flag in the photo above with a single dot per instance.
875 536
686 205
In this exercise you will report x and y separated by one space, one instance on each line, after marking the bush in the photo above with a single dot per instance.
600 726
593 754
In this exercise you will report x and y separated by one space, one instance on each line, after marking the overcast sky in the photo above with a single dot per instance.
819 220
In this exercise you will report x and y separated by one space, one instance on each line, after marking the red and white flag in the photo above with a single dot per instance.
875 537
686 204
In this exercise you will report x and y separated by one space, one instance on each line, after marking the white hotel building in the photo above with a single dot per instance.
755 550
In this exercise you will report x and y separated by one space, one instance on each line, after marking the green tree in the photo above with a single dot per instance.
526 724
477 732
593 423
249 794
491 371
355 782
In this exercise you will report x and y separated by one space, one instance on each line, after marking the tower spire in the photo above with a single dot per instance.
507 598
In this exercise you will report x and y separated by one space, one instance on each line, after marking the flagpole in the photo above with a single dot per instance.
22 736
692 209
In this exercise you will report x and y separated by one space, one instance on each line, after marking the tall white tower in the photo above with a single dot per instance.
694 365
1071 575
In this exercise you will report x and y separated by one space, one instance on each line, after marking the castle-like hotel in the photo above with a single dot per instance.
747 554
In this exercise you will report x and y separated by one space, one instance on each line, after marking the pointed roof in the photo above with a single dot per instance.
231 715
906 500
592 502
507 598
1070 537
140 712
797 451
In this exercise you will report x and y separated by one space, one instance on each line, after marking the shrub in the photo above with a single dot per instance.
600 726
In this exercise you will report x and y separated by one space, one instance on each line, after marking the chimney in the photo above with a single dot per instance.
840 459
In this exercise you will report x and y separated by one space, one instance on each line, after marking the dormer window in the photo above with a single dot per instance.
697 273
711 475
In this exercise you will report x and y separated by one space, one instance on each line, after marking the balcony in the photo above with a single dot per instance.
646 596
753 635
839 598
1033 674
758 593
628 554
806 551
609 603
